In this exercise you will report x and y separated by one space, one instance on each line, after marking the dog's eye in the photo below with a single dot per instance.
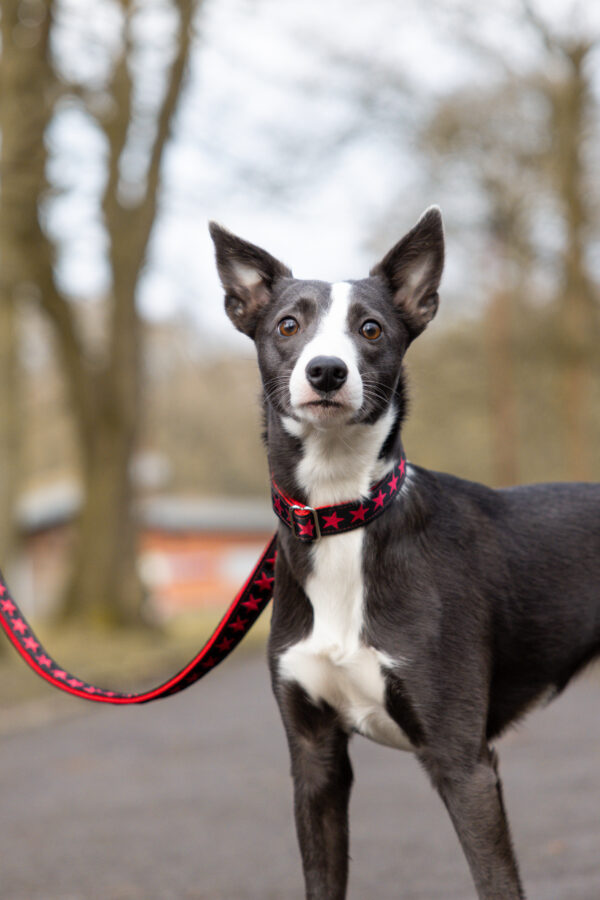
371 330
288 326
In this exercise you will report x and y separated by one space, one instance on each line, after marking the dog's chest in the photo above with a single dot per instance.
333 664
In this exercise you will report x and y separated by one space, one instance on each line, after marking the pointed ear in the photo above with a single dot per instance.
413 269
247 274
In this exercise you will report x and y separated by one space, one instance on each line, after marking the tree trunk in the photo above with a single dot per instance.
503 399
105 585
105 588
9 436
105 403
576 315
9 429
22 123
577 326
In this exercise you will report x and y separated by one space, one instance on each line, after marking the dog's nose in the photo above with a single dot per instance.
326 373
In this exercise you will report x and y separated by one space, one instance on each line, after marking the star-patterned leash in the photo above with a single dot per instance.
307 524
237 621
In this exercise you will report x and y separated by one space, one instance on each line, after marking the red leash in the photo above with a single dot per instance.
306 523
237 621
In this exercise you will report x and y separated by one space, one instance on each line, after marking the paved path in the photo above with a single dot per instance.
190 798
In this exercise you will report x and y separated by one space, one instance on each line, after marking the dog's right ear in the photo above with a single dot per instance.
247 274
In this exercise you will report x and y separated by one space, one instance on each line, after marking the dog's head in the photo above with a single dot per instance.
332 353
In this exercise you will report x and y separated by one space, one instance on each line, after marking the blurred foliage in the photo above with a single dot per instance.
451 424
527 143
203 417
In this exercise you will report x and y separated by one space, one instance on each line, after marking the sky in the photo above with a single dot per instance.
271 138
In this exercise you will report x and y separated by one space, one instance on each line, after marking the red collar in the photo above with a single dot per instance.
309 524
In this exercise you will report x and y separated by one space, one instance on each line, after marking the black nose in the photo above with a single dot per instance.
326 373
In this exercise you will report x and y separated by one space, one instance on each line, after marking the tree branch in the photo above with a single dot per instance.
534 19
165 120
115 126
130 228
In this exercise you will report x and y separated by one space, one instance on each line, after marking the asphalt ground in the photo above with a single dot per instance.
190 798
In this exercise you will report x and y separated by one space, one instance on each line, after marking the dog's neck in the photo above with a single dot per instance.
325 466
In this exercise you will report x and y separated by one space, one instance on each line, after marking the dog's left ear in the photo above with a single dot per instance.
413 269
247 274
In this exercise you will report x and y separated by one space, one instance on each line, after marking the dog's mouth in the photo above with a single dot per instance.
323 408
324 411
325 404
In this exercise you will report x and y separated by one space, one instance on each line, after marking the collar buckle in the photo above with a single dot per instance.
305 523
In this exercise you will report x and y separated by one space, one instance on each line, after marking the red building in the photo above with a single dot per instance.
193 553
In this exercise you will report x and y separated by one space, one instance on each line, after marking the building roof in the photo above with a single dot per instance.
59 502
199 514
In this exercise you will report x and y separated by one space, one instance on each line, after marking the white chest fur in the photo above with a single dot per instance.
332 664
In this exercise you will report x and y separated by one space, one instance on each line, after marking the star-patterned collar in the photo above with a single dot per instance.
308 523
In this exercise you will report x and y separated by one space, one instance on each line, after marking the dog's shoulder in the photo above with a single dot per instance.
437 494
533 525
440 490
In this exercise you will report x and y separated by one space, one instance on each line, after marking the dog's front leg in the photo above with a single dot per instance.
473 797
322 776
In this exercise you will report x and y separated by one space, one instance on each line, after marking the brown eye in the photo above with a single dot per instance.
371 330
288 326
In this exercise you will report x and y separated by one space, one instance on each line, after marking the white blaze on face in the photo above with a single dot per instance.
331 339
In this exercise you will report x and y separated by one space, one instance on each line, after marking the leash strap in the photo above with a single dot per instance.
309 523
237 621
306 523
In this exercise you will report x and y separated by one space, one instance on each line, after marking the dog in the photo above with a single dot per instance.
438 624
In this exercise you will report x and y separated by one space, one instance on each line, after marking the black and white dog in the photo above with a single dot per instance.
440 623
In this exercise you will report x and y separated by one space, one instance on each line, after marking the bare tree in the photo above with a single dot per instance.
105 571
105 389
23 119
531 168
572 106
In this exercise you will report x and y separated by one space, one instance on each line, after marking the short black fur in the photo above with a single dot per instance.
484 601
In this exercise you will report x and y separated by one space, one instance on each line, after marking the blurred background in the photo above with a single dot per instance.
133 484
